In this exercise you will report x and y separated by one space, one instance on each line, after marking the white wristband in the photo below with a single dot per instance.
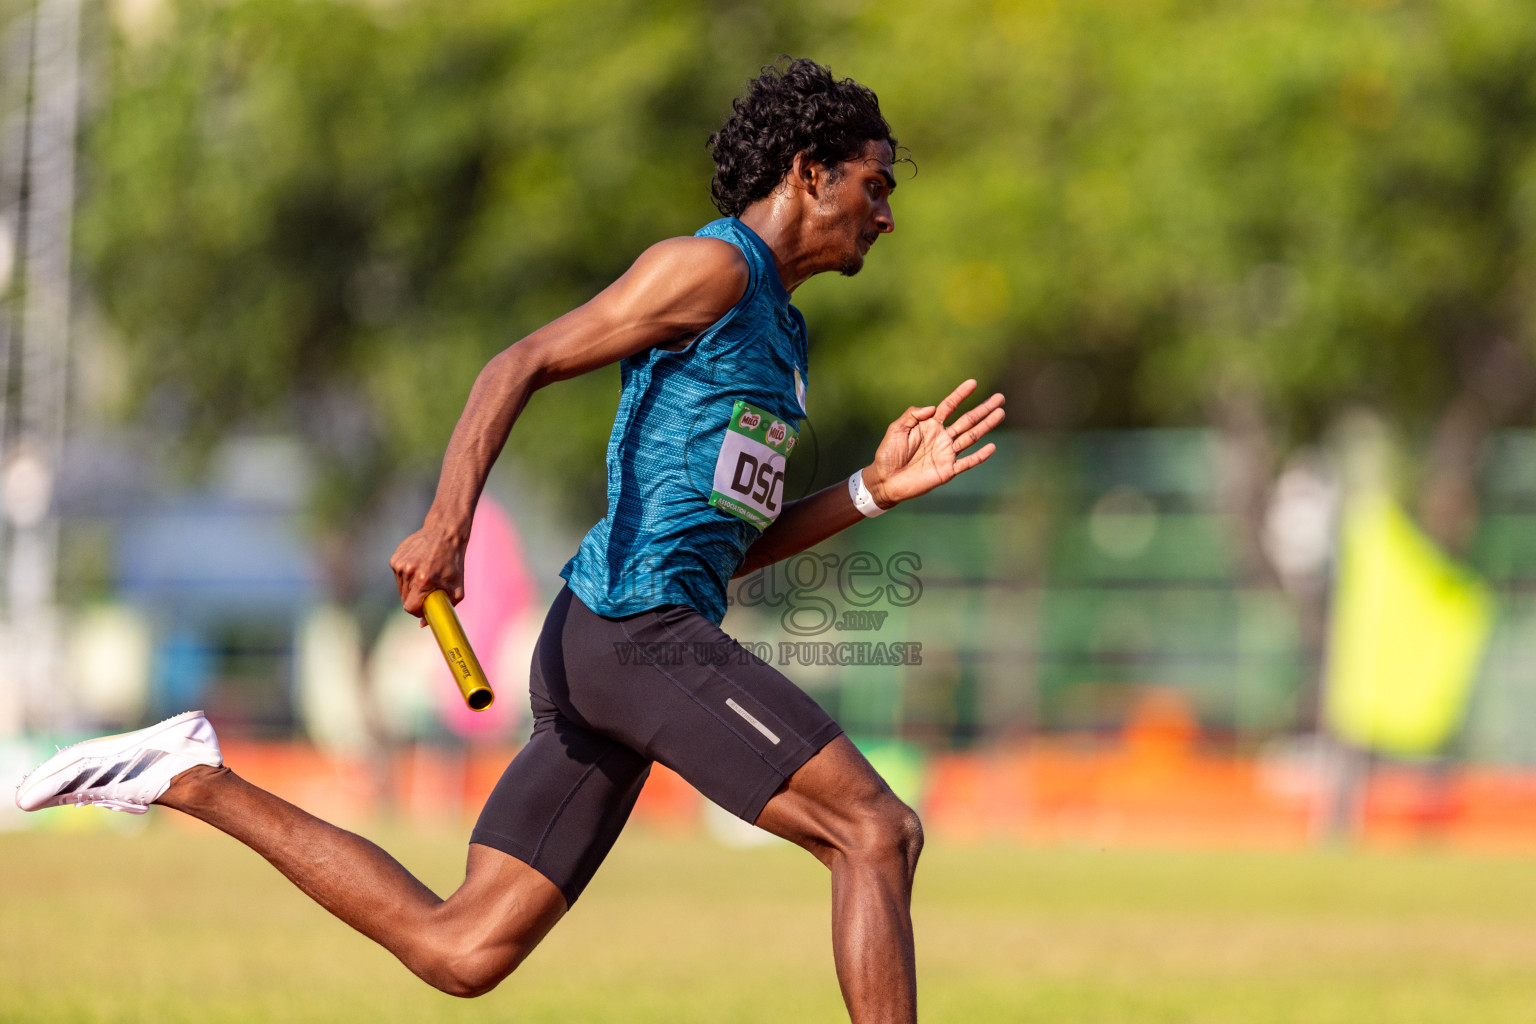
862 499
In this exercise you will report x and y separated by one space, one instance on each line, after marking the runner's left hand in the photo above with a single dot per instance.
920 452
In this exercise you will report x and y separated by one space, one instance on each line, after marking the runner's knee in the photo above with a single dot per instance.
464 970
888 830
909 837
912 839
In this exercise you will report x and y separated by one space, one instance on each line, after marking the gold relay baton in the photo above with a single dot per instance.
457 652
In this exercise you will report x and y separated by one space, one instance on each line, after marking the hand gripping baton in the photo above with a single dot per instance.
457 652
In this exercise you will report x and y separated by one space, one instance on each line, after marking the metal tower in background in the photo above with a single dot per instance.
39 103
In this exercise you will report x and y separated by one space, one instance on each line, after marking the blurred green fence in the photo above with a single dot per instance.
1077 572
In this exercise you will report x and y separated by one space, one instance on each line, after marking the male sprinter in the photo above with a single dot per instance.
714 374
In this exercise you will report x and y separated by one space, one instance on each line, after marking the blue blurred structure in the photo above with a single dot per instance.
223 570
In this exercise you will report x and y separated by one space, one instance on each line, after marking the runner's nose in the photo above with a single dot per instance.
885 220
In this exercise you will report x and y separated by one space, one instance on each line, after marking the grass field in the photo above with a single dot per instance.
170 926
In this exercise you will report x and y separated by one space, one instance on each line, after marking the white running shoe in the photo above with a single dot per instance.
126 772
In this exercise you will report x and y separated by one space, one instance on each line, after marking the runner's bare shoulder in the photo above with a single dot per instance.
673 293
691 282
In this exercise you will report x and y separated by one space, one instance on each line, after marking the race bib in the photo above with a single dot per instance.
749 474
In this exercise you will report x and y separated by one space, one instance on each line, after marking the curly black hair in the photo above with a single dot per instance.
801 107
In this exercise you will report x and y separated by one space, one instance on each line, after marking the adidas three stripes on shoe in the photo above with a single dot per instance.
125 772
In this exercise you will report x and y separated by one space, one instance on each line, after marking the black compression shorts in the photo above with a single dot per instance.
609 697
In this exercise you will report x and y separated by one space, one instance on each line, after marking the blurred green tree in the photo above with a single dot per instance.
1250 215
324 216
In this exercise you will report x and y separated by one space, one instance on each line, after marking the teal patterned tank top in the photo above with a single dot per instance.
697 453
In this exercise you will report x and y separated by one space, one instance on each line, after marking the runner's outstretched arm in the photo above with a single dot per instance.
676 290
918 453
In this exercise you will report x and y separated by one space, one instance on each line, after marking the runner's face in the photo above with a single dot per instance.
856 208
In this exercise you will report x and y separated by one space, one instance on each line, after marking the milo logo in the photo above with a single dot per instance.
776 433
791 445
749 420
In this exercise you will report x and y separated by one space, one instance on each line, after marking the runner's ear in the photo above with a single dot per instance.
805 173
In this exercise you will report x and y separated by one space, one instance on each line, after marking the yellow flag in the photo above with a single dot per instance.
1408 631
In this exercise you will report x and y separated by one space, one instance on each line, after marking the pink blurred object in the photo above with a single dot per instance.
497 593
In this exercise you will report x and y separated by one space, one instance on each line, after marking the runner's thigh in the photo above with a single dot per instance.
564 799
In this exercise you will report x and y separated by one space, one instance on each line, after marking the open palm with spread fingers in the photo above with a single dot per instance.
920 451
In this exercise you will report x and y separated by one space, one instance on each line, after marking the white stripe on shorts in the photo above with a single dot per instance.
759 726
